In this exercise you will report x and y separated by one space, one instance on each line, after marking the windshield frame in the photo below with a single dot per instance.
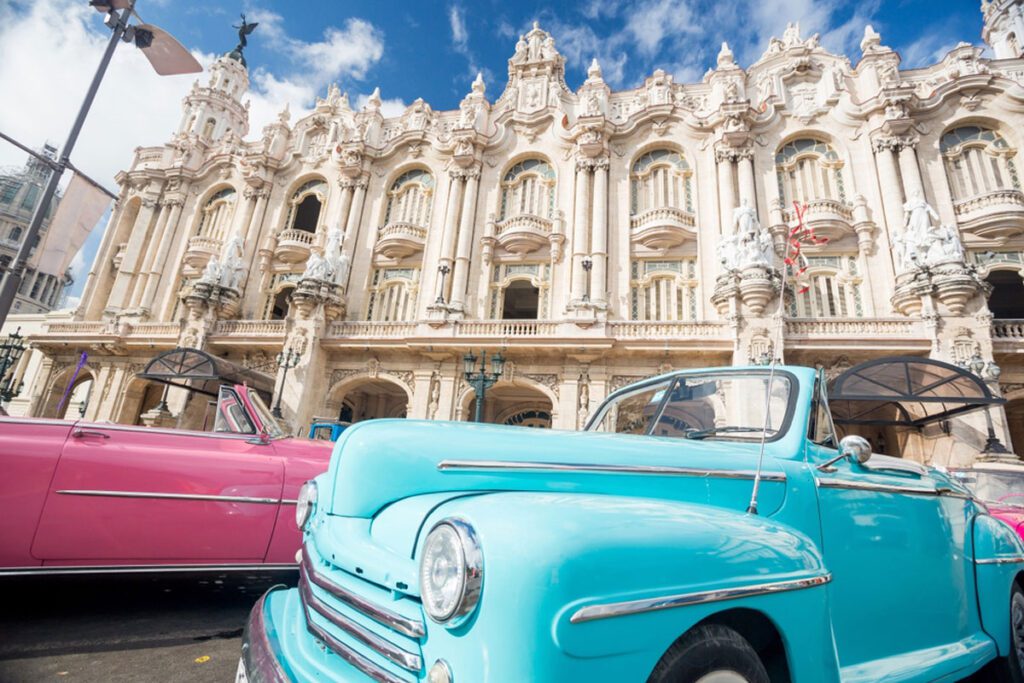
672 380
954 474
263 415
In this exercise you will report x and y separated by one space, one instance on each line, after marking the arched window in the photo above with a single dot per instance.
807 170
663 290
1007 298
978 161
833 289
528 188
409 199
393 294
278 308
661 178
216 216
519 291
304 208
15 235
208 128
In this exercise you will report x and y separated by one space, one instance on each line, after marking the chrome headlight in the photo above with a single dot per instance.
451 572
305 505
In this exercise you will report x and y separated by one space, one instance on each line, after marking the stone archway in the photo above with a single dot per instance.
140 396
363 397
78 396
512 403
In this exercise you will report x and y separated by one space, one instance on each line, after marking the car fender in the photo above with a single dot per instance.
998 561
549 558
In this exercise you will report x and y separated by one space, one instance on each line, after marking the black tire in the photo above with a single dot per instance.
1010 669
709 649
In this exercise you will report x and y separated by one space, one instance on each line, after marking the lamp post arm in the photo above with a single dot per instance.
12 280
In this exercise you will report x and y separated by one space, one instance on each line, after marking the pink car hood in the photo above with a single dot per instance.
1012 516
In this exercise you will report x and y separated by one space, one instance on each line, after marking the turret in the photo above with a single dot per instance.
1003 28
213 111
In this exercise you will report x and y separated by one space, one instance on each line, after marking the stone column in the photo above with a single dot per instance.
599 244
888 178
746 177
726 196
345 203
460 275
451 222
173 207
147 257
911 172
121 291
355 213
580 232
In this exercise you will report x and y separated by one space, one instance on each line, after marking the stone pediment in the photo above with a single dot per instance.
536 74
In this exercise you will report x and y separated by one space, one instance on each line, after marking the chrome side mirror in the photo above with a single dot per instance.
855 448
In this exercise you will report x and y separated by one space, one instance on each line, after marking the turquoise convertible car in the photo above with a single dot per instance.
707 527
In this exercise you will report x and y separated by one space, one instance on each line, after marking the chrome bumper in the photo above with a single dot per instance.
259 648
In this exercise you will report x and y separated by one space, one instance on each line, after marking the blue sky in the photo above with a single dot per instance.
429 49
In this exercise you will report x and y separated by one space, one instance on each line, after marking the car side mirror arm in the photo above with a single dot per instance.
856 448
261 439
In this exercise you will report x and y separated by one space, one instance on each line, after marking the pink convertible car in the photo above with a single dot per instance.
80 497
1001 487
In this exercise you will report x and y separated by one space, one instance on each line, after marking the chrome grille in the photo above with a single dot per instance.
339 614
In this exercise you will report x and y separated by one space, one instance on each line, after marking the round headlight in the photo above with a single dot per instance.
451 572
305 504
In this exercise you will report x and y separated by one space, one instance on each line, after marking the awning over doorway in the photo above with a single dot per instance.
192 369
906 391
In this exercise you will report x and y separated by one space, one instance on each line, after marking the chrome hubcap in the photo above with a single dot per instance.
728 676
1017 627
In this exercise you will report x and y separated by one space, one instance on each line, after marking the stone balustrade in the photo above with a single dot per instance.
398 240
294 245
524 233
997 215
863 329
201 249
76 328
1007 329
662 228
507 328
250 328
371 330
680 330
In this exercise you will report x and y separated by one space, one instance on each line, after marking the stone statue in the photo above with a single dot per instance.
729 252
744 220
212 271
918 214
244 29
952 247
231 264
435 396
317 268
583 411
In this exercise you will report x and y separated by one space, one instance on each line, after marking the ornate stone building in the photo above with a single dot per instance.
591 236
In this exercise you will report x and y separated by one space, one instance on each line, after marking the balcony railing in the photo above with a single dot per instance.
293 245
1008 329
523 233
680 330
250 328
398 240
371 329
855 328
507 328
201 249
993 215
662 228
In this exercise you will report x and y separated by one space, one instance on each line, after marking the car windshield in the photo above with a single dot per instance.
270 425
723 405
995 488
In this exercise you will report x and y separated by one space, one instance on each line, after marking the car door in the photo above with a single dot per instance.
896 539
126 494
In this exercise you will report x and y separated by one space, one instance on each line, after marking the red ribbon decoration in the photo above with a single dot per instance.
799 235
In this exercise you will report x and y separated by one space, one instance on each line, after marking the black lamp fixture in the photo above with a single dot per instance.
444 270
587 264
481 380
286 360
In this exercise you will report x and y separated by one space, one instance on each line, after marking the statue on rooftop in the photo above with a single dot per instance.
244 29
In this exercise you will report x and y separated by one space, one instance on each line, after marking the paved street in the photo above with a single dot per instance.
126 629
129 629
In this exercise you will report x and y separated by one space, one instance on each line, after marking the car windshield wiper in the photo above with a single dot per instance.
711 431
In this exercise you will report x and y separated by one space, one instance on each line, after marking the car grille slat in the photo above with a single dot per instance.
403 658
351 656
410 627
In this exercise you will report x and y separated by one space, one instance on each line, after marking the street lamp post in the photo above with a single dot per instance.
286 360
444 270
587 263
166 55
10 353
481 380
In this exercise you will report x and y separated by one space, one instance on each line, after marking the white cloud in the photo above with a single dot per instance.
460 37
389 108
649 23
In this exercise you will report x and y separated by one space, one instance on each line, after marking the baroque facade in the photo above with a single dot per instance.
591 236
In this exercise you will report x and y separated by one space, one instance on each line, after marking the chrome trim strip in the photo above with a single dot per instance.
110 426
618 609
289 501
394 621
51 570
349 655
1000 560
447 465
170 496
403 658
879 488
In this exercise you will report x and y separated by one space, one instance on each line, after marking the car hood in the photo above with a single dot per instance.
1011 515
379 462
